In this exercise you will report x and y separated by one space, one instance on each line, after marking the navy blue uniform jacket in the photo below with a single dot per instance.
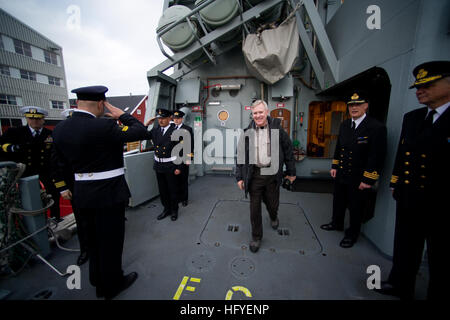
359 155
34 152
85 144
420 173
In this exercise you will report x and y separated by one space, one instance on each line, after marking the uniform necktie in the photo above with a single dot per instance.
428 122
353 125
162 131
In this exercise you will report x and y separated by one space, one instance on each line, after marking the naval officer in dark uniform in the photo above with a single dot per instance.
91 148
357 164
31 145
183 177
64 181
420 186
164 166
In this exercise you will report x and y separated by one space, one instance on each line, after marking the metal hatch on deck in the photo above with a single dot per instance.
228 227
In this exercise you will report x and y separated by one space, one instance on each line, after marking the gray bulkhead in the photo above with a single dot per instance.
412 31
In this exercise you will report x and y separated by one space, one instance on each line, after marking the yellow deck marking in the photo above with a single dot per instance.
180 288
238 288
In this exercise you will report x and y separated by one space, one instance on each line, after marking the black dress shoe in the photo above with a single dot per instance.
127 281
347 242
275 224
184 203
82 258
331 227
174 216
164 214
387 289
255 245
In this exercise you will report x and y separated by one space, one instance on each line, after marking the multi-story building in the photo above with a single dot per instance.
31 73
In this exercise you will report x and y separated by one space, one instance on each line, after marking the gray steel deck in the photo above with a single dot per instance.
208 247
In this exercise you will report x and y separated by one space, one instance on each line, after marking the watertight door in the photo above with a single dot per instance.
223 120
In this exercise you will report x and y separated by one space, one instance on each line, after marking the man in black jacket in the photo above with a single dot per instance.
357 164
420 186
164 166
31 145
183 177
263 149
91 148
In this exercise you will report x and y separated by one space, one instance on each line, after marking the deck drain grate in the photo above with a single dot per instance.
283 232
233 228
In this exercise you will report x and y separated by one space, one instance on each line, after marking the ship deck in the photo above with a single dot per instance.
205 255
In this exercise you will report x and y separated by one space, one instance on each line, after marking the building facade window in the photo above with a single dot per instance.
50 57
28 75
4 70
8 99
2 46
22 48
57 104
54 81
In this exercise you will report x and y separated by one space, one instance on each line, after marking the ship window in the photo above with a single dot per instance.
325 118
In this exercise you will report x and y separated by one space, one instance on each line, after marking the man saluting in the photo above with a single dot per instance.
91 148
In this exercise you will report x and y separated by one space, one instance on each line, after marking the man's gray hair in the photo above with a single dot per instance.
258 102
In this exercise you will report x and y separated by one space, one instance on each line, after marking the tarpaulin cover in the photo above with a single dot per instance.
271 54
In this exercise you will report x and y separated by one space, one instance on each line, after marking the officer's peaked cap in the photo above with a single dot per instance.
357 97
429 72
34 112
163 113
178 114
92 93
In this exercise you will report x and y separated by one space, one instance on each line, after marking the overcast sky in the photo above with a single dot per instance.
107 42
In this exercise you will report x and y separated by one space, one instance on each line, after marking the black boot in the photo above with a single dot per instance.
164 214
82 258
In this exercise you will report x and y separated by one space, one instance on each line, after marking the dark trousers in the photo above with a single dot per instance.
82 229
168 190
106 232
414 226
183 183
55 211
263 188
349 196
